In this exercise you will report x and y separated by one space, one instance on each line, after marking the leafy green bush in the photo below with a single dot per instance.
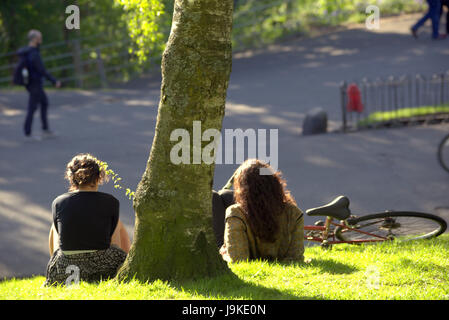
128 31
258 22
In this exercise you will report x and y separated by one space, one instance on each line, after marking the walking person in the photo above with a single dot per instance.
34 85
434 15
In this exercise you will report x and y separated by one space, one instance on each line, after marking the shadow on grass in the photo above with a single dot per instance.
230 286
324 265
332 267
420 266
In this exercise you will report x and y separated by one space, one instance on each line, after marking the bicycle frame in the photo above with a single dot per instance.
326 234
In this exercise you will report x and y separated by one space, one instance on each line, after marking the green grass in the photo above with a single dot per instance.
413 270
404 113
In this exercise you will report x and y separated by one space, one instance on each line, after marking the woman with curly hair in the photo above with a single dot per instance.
264 222
86 234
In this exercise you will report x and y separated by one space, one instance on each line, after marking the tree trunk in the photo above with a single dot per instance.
173 237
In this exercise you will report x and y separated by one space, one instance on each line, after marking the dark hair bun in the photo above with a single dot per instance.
84 170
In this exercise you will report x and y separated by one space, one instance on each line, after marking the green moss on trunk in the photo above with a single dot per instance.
173 237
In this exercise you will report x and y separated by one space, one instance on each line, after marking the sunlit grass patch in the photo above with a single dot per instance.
390 270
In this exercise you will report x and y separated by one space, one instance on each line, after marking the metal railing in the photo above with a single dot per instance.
396 101
78 63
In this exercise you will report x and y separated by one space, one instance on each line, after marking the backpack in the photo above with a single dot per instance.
221 200
21 71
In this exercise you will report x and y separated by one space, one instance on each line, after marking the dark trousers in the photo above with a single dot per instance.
37 97
434 15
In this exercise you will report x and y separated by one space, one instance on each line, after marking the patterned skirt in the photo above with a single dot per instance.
89 267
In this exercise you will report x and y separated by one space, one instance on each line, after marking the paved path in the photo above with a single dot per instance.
271 88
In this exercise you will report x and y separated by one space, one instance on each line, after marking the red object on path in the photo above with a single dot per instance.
355 100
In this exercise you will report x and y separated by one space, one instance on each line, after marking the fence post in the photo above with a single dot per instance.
410 91
395 98
343 105
401 89
101 70
442 89
365 86
378 93
446 87
433 85
77 62
417 88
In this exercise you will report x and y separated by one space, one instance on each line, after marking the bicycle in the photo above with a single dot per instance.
377 227
351 229
443 153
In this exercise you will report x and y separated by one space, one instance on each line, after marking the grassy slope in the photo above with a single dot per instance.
414 270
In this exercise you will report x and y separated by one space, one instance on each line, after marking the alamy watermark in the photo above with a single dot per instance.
373 20
74 275
190 150
372 277
73 20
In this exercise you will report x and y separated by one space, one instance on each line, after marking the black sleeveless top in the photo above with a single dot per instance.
85 220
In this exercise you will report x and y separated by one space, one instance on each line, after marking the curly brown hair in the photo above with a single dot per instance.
263 197
84 170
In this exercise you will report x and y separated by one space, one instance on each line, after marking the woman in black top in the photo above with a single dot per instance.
86 230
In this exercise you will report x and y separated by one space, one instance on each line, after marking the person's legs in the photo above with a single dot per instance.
423 20
125 243
120 237
32 106
44 108
53 240
434 11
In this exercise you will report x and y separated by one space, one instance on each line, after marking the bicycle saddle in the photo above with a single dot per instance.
338 208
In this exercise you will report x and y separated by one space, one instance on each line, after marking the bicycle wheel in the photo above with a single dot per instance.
443 153
402 226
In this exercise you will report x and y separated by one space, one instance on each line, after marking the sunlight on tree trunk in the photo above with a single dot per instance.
173 237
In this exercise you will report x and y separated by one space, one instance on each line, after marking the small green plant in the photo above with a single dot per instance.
115 179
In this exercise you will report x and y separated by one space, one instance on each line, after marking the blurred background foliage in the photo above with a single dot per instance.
129 35
258 22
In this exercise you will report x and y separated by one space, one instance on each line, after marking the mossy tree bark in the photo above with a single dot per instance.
173 237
